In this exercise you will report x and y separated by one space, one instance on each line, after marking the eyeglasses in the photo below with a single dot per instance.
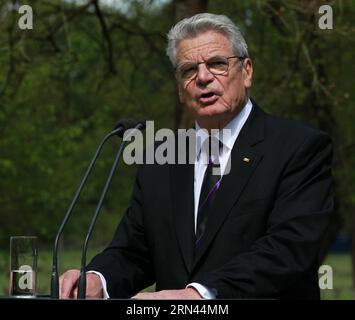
216 65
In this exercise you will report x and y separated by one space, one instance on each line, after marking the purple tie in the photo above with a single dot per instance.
210 185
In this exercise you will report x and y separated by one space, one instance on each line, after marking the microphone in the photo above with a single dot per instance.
119 130
82 280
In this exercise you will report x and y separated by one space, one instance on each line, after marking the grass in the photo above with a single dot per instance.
340 264
342 282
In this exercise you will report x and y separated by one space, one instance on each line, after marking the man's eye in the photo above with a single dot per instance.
188 71
217 64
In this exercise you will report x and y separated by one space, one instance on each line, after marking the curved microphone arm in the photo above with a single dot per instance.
54 275
82 279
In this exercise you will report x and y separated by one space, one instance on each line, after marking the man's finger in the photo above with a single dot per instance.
145 295
68 283
75 293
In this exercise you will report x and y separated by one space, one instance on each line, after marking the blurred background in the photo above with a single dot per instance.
86 64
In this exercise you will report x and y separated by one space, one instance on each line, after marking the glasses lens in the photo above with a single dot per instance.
187 71
217 65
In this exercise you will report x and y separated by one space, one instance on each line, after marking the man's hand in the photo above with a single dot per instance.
68 285
182 294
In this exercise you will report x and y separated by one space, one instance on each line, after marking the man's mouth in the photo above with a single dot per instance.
208 98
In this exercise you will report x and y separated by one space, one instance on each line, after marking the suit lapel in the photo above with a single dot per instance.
244 160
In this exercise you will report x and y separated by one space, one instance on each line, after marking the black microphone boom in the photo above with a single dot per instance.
119 130
124 125
82 280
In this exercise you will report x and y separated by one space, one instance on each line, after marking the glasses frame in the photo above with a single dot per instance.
179 77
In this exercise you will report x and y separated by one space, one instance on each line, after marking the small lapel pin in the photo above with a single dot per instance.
246 159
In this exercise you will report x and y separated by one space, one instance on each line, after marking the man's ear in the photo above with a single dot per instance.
248 73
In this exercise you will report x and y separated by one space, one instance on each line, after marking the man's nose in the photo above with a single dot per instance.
204 76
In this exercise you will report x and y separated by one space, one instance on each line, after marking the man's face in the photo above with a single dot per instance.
207 95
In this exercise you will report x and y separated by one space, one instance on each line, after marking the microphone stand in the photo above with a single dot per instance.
82 279
54 275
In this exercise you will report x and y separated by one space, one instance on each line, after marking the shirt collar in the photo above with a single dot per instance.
235 125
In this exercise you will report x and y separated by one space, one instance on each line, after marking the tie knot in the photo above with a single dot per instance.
211 149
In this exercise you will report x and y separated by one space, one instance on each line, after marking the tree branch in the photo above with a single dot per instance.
107 37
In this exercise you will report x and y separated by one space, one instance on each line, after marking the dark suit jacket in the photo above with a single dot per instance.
267 224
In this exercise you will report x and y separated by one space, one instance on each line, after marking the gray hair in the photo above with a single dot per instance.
200 23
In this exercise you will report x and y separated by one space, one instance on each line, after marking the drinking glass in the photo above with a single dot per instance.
23 266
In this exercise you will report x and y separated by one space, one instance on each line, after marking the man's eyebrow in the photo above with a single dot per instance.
195 61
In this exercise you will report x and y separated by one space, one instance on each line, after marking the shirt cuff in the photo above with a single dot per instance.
205 293
103 282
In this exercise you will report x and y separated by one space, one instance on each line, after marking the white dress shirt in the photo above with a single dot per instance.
227 136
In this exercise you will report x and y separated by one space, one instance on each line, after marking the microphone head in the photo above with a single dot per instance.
140 125
126 124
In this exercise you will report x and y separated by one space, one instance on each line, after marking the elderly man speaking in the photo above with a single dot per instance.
252 233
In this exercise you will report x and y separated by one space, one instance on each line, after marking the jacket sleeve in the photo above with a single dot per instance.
295 228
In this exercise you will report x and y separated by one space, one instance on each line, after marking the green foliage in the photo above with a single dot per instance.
65 84
59 96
